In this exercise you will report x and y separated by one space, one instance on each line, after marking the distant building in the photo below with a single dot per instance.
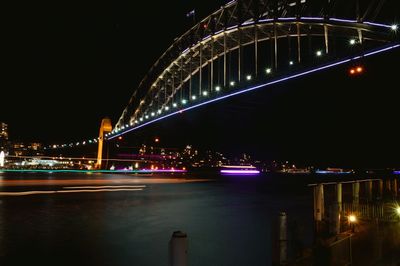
3 136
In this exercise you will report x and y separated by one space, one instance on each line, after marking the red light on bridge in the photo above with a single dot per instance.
120 138
356 70
156 140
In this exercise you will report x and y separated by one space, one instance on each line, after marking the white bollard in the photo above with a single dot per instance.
282 238
178 248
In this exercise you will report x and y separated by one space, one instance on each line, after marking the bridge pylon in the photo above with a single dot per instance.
105 127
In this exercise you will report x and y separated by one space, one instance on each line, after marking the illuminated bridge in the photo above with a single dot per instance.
252 44
248 45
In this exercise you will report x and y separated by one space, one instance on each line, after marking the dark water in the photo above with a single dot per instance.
228 222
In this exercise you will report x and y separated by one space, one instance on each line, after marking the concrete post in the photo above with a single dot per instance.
283 238
368 190
395 187
334 219
178 248
319 202
380 188
339 196
356 195
388 186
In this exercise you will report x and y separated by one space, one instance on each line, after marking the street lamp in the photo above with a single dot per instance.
352 220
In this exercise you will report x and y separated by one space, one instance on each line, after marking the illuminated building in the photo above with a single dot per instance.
3 131
3 136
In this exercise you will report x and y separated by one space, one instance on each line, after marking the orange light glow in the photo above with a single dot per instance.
119 137
359 69
157 140
352 71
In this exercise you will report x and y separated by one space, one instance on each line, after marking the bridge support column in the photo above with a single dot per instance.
200 70
275 47
356 195
224 59
105 127
326 38
298 43
240 56
212 66
181 83
360 36
256 50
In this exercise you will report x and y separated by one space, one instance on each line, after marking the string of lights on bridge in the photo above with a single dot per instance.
200 100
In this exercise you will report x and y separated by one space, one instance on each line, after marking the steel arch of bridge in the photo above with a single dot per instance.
246 37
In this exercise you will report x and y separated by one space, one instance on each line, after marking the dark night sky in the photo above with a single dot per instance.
68 64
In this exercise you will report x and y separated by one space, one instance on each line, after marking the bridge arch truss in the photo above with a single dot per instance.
246 42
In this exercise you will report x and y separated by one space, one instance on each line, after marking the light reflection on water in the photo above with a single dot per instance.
228 223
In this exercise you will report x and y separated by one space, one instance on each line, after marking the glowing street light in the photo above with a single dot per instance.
352 41
352 218
153 114
394 27
248 77
166 108
194 97
291 63
218 88
205 93
174 105
319 53
184 101
268 71
398 211
232 83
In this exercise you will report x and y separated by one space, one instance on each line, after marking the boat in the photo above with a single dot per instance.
239 170
331 170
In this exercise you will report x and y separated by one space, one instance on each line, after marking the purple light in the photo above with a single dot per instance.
377 24
313 70
312 18
343 20
331 172
244 172
396 172
164 170
284 19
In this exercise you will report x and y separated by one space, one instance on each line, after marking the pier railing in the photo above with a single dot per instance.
385 212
